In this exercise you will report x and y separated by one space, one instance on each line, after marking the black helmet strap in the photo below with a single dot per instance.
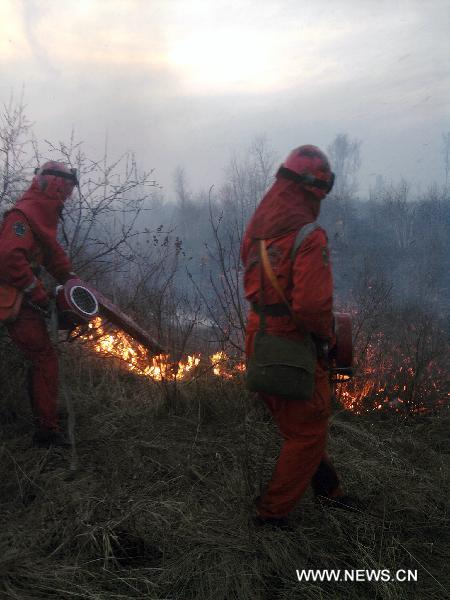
72 175
307 179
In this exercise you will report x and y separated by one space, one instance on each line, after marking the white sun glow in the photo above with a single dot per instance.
211 60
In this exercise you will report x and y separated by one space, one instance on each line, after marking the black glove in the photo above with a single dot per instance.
39 300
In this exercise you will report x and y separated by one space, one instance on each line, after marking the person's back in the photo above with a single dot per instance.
304 276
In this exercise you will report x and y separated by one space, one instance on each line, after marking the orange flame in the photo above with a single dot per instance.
135 357
373 387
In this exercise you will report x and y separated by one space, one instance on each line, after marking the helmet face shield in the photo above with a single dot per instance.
307 180
56 179
72 175
309 166
331 182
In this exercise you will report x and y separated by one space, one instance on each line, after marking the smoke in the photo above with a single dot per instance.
33 12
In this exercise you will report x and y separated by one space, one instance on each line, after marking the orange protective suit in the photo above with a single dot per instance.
307 284
27 242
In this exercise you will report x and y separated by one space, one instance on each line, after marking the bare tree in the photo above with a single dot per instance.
225 303
183 195
345 159
446 153
344 155
16 150
398 214
101 218
247 180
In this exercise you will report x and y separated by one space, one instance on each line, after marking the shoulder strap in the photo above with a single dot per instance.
269 272
302 234
273 280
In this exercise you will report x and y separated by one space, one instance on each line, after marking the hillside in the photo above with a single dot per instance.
159 503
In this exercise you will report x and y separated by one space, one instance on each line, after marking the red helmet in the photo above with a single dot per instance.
56 179
309 166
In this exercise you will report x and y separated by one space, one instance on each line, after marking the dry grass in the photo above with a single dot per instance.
159 505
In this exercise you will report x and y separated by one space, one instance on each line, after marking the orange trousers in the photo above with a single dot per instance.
29 333
303 459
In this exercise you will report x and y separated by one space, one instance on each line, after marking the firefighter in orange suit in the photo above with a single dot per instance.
28 242
291 203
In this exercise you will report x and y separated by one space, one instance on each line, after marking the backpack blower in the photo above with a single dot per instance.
341 355
78 303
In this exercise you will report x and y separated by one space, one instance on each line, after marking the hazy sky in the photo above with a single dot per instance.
185 83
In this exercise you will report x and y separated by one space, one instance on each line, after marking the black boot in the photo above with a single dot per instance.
325 480
50 438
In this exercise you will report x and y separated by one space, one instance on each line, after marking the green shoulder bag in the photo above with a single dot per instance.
280 366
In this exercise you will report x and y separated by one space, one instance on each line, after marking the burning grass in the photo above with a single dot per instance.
159 505
401 367
110 342
394 374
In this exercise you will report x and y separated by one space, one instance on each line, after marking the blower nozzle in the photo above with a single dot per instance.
341 355
78 303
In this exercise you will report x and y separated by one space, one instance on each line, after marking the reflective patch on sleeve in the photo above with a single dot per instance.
19 228
325 256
